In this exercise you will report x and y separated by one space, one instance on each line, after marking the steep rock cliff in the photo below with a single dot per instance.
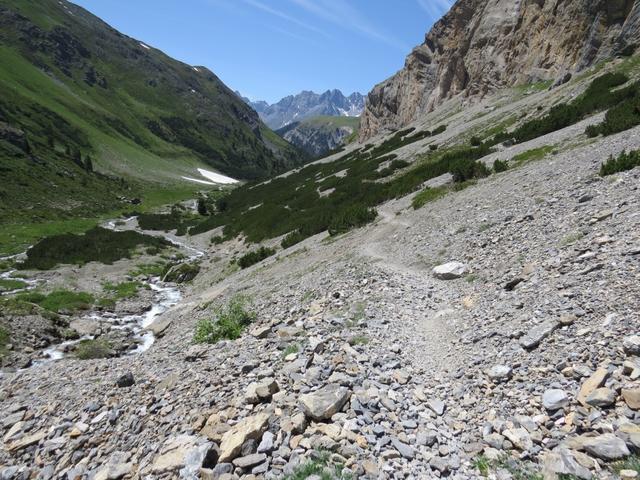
483 45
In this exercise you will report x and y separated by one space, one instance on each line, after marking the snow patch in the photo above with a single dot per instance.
146 47
204 182
216 177
196 69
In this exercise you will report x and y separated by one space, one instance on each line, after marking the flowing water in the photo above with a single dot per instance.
135 327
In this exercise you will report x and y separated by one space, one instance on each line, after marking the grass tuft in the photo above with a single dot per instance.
58 301
122 290
428 195
9 284
229 322
291 348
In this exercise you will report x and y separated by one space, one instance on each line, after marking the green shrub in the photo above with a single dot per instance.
623 162
98 244
352 217
59 300
500 166
629 50
256 256
598 96
292 207
428 195
475 141
618 119
292 238
466 169
176 220
433 147
439 130
229 322
92 349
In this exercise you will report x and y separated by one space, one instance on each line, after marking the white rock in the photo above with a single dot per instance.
450 271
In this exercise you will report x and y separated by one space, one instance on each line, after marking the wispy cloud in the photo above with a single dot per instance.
288 33
285 16
344 15
435 8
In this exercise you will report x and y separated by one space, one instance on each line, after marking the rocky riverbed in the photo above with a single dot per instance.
521 359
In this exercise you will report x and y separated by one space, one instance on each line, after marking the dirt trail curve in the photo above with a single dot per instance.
430 315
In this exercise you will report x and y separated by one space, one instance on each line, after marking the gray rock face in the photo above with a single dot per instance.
319 135
529 43
325 402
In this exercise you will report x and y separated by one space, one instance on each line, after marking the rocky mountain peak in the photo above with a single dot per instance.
483 45
308 104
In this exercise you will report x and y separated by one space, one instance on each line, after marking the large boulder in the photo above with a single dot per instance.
186 454
250 428
606 447
325 402
450 271
181 273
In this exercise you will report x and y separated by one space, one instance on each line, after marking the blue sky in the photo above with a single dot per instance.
268 49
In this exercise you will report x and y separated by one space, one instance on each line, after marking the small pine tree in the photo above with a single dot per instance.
77 158
500 166
27 146
51 142
88 163
202 207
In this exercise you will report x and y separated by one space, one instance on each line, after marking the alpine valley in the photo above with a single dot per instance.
197 286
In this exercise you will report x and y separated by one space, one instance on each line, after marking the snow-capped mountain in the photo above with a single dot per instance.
307 104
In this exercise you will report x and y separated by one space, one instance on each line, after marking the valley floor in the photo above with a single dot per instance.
474 376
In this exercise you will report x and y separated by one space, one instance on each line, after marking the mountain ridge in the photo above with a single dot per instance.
307 104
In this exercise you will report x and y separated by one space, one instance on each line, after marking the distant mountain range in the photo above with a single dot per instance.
307 104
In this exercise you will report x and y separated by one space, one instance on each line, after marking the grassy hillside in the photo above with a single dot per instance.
73 87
